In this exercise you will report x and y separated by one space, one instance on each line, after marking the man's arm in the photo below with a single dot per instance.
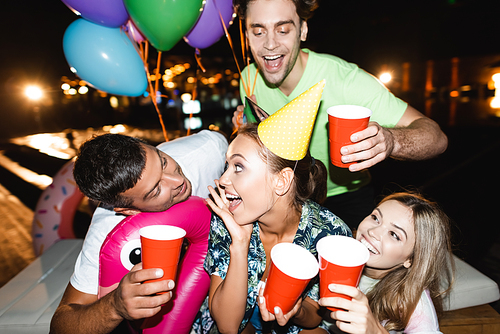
83 312
80 312
415 137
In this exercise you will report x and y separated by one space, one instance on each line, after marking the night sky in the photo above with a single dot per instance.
355 30
406 30
364 32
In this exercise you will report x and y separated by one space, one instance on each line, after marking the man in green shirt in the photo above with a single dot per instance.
275 29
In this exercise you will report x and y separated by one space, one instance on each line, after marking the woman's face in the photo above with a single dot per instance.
246 181
389 235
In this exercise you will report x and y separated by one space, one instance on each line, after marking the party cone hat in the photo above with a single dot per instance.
288 131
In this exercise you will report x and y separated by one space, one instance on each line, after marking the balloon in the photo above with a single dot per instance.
208 29
108 13
105 58
133 32
121 250
164 22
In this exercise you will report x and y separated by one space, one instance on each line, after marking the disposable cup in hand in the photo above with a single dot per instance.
341 261
161 248
292 267
344 120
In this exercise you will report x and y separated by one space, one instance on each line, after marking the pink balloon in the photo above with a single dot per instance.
133 32
119 253
209 29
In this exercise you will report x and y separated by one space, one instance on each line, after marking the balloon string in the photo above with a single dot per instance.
195 88
254 81
198 59
248 81
246 57
232 50
244 49
189 125
154 96
160 117
158 63
153 99
244 53
247 52
141 47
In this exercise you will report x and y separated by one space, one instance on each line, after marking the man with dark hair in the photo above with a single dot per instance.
129 176
275 29
109 168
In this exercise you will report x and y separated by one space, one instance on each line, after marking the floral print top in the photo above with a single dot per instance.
316 222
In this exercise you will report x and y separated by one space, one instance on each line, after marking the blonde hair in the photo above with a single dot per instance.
397 294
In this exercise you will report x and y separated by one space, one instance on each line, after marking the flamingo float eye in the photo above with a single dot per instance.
130 255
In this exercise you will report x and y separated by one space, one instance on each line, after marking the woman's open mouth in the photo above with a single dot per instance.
234 201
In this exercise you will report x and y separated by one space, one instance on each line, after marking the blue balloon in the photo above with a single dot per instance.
105 58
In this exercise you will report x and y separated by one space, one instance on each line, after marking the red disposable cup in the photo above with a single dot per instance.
161 248
341 261
292 267
344 120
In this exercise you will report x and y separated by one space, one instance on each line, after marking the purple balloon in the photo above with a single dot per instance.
208 29
108 13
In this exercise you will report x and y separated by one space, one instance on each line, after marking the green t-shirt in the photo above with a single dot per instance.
346 83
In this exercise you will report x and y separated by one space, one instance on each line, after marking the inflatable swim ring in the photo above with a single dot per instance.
121 251
55 210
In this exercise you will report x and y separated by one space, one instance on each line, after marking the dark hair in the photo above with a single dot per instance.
304 8
310 175
108 165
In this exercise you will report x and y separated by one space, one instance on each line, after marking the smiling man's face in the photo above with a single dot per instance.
274 32
161 185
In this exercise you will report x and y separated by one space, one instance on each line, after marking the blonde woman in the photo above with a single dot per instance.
410 261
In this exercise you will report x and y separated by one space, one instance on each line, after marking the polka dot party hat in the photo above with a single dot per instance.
288 131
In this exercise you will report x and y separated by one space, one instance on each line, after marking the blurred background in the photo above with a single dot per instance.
441 56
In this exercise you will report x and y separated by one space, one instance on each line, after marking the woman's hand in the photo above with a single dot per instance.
227 298
281 319
239 234
357 317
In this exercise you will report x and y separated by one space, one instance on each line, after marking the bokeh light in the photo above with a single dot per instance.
385 77
83 90
33 93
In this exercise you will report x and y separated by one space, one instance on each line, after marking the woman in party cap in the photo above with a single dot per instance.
268 194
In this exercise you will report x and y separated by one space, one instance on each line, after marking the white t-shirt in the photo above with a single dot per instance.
201 156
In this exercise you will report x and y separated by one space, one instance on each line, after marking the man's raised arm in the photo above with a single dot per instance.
415 137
